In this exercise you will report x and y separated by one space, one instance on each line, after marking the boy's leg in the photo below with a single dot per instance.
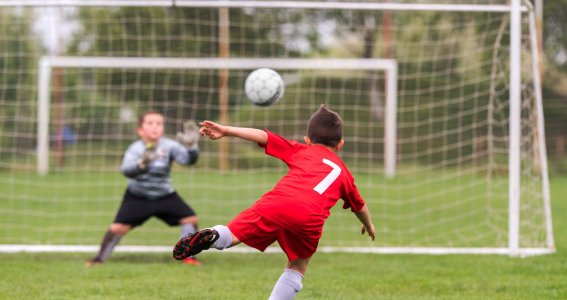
133 211
226 238
299 265
248 227
289 283
202 240
109 241
189 227
174 211
299 250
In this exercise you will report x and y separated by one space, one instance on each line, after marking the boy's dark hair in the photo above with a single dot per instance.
325 127
147 113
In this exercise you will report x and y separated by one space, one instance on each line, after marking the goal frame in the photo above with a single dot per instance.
515 9
47 63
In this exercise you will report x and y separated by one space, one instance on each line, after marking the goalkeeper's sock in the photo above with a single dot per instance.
187 229
225 237
287 286
109 241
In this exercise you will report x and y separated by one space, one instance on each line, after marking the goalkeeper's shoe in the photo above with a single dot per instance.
193 244
192 261
94 262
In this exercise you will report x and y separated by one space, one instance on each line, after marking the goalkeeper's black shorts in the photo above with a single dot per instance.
136 210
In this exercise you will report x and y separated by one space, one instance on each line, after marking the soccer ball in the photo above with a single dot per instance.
264 87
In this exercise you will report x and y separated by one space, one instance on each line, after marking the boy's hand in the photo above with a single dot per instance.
190 135
148 156
212 130
371 231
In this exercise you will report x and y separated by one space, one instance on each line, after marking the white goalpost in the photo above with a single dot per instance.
46 64
442 108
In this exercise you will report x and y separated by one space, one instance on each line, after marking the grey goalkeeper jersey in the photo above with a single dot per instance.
155 181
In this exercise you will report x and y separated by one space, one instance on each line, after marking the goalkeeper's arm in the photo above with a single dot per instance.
187 152
135 163
185 155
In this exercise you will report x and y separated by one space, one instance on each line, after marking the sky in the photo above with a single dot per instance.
56 26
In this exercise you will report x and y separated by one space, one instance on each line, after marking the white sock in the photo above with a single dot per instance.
187 229
287 286
225 237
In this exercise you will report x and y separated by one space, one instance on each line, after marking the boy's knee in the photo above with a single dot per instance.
189 220
120 229
299 265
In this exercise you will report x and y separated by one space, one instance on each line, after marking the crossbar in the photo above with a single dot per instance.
495 8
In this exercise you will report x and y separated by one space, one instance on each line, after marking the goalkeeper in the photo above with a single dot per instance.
147 164
294 211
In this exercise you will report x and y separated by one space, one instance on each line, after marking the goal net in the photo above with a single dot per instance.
445 143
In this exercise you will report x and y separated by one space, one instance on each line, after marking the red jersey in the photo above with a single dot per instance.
316 180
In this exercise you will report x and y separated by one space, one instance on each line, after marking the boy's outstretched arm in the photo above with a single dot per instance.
364 216
215 131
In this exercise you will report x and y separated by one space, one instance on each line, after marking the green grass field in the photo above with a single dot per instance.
430 209
330 276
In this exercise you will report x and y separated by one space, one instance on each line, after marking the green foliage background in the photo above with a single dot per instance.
91 97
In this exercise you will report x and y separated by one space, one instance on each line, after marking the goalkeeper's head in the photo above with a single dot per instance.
150 126
325 127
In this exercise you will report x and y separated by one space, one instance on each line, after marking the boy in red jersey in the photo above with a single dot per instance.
294 211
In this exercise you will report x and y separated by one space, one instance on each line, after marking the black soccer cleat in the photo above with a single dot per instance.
193 244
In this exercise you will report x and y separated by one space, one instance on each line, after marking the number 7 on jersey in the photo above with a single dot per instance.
330 178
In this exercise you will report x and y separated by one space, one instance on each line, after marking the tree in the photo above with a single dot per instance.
18 64
170 32
555 35
555 78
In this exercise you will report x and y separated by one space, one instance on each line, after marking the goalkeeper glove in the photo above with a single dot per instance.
189 137
149 155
